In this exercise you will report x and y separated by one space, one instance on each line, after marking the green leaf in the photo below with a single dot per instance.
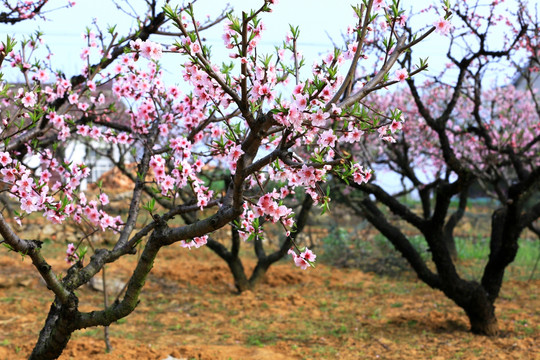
150 206
8 246
295 31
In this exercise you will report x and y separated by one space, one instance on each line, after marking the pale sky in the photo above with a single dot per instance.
319 20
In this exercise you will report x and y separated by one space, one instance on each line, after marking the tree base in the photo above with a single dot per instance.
486 328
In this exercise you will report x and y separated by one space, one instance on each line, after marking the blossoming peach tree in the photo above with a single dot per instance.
471 131
257 116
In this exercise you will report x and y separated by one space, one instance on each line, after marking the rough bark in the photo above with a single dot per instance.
481 312
503 249
55 334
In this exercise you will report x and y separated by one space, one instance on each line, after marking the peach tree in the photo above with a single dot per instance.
258 117
469 129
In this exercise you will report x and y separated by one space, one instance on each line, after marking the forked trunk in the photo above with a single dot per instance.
241 281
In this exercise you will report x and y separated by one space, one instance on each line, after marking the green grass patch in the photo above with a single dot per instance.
344 247
261 339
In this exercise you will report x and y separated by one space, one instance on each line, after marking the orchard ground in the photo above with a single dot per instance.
189 310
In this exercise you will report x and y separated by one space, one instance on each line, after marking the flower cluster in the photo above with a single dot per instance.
148 49
197 242
40 193
304 259
71 256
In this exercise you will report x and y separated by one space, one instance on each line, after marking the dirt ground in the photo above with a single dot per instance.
189 310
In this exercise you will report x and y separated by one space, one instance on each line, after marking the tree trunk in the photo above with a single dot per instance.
479 309
450 243
259 272
55 335
64 318
483 321
241 281
473 298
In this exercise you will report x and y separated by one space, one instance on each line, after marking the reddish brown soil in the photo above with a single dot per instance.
189 310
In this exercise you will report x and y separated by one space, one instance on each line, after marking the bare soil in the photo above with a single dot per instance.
189 310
